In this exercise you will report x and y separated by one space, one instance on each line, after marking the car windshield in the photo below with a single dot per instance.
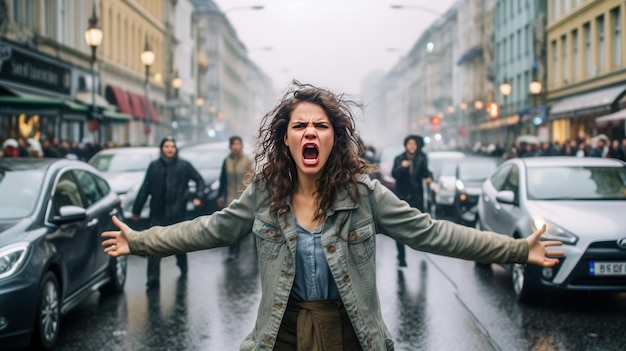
20 190
435 164
576 183
122 162
476 170
389 153
205 158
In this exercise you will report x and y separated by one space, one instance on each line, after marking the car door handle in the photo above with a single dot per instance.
92 222
113 212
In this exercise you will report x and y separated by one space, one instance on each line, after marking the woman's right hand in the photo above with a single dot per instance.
116 243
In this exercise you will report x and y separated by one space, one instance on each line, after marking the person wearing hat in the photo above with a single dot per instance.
9 148
409 169
166 181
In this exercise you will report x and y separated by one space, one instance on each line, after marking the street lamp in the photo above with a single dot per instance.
177 83
505 90
93 38
535 87
147 59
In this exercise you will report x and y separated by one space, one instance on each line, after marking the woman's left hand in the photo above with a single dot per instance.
538 253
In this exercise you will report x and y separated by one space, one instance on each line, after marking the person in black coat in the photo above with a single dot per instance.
410 168
167 182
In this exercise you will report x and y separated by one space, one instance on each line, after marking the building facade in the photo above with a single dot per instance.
233 88
586 58
520 59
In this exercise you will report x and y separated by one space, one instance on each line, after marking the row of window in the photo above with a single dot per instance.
123 41
565 52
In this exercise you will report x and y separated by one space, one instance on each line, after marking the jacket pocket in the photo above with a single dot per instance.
361 243
269 239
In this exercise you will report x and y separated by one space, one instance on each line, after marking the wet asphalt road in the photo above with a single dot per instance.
437 303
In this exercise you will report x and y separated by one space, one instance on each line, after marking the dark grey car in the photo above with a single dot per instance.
52 212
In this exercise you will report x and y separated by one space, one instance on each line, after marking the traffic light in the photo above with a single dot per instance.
435 120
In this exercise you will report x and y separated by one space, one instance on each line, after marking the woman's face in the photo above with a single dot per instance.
236 147
411 146
169 149
310 137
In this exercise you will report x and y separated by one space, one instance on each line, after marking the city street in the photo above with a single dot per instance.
436 303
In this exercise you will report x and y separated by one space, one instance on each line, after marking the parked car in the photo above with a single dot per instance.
52 212
460 185
385 163
436 161
581 200
125 168
207 158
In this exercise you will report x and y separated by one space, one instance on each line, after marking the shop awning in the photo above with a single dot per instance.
118 97
612 117
116 117
36 103
154 117
136 104
584 105
85 98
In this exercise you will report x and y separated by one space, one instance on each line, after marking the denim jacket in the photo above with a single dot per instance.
349 240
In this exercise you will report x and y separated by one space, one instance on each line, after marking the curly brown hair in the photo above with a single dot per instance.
277 167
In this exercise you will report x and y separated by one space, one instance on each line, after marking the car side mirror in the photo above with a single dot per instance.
506 197
69 214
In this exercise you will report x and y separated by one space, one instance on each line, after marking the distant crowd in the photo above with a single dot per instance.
53 148
599 146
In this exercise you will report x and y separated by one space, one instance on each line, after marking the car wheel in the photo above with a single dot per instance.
522 285
117 275
481 265
48 321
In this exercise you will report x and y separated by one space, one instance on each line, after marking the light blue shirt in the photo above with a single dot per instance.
313 280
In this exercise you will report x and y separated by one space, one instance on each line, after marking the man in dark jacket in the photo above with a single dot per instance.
410 168
167 182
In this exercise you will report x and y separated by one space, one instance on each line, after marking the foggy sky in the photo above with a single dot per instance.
330 43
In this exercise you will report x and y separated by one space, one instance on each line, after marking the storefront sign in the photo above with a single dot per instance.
23 66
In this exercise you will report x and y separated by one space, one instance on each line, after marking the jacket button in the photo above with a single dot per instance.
346 278
370 341
331 248
271 233
355 313
352 236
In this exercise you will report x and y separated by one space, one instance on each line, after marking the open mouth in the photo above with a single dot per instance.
310 154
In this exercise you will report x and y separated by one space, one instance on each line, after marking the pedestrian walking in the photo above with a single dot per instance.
167 182
235 168
314 213
410 169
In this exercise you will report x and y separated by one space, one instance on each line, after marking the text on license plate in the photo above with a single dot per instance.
607 268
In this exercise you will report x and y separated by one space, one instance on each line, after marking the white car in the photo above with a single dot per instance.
436 161
581 200
125 168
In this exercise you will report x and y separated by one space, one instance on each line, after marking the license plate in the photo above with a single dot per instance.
607 268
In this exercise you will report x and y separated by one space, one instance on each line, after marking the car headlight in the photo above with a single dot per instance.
459 185
11 258
553 232
215 186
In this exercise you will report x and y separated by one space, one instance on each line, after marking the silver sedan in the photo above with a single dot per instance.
581 200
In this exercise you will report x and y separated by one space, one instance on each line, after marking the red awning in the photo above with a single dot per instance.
136 103
154 117
118 97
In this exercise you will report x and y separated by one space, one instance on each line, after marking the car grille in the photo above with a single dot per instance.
599 251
